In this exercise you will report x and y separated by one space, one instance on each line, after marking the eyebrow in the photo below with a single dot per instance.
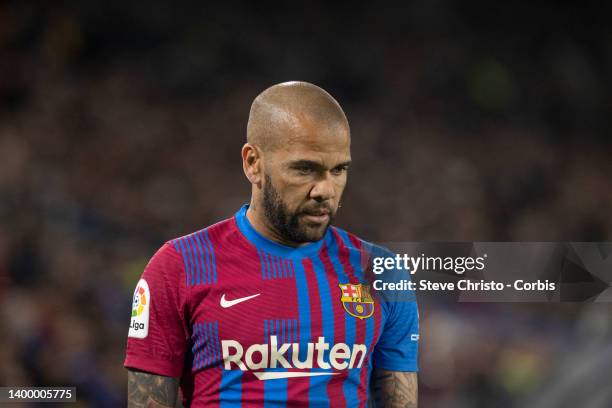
312 163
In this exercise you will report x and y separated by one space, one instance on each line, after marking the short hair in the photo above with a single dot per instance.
282 102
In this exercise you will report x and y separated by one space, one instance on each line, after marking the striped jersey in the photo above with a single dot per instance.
245 321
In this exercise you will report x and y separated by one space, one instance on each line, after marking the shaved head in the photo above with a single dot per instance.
280 114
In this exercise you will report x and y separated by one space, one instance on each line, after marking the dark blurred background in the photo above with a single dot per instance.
121 125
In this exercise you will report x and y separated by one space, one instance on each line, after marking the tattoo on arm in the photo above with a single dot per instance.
395 389
146 390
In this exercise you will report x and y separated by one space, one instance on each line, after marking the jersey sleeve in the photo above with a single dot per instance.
397 348
158 333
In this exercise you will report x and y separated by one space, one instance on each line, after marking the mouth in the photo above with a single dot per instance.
317 217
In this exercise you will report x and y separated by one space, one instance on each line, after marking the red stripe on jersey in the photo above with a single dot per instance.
344 257
316 314
252 390
365 256
334 387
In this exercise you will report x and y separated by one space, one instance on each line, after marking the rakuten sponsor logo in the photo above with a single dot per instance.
287 355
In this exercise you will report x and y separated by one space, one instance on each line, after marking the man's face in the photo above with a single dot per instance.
304 181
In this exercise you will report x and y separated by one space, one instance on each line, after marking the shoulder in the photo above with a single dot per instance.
370 256
205 236
198 250
177 250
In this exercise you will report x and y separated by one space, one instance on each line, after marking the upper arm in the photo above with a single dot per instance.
158 335
395 389
398 345
146 390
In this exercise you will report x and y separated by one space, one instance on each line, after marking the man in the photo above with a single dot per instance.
272 307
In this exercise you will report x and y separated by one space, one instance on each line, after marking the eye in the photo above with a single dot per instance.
303 170
336 171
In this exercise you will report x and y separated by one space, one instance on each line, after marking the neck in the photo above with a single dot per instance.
260 223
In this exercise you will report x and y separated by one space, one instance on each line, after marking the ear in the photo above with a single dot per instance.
251 163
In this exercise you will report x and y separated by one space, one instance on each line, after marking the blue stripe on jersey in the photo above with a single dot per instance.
230 394
205 269
198 257
277 262
266 337
284 331
197 254
351 383
177 247
210 260
281 328
289 330
185 260
195 349
212 255
206 278
206 345
281 267
268 267
263 267
206 349
191 260
273 265
275 391
277 331
202 347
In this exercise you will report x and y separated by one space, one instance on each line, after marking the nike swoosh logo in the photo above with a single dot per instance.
230 303
274 375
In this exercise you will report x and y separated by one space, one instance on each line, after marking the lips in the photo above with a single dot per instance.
317 217
325 212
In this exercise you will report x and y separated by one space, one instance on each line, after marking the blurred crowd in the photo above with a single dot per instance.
121 126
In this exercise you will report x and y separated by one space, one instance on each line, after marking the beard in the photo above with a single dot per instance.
288 224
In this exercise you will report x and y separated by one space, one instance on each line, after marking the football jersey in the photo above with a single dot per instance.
245 321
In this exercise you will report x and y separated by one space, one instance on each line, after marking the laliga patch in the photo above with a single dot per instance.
139 325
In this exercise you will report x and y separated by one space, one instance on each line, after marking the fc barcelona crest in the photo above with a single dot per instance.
357 300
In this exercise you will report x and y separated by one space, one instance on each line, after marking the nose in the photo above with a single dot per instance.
323 189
